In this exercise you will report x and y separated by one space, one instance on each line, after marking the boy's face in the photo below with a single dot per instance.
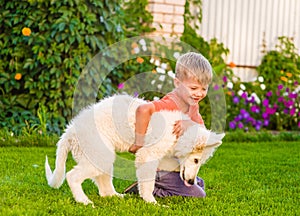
190 90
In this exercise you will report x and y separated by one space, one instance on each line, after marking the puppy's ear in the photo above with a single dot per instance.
215 139
198 148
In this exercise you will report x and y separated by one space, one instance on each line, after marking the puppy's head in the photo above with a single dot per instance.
189 150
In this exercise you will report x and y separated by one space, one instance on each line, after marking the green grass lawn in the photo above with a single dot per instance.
241 179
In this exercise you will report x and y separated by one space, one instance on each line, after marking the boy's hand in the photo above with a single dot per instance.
133 148
181 126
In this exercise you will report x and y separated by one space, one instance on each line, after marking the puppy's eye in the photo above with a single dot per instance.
196 160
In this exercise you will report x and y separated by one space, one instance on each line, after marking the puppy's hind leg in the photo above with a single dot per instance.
75 178
105 185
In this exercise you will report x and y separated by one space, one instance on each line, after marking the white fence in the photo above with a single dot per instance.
243 25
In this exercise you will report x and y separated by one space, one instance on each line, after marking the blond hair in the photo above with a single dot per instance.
193 65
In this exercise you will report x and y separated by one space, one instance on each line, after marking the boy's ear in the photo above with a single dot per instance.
176 82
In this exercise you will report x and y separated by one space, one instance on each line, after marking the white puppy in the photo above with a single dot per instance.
99 131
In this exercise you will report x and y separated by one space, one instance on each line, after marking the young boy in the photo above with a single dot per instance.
193 73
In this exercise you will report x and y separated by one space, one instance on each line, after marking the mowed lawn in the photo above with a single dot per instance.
241 179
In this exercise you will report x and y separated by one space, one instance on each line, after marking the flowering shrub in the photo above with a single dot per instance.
276 110
273 100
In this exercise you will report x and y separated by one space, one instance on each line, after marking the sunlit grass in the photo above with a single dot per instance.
259 178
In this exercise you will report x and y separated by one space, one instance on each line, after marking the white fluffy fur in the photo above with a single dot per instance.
100 130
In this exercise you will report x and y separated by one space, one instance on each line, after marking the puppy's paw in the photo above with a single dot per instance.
84 201
150 199
120 195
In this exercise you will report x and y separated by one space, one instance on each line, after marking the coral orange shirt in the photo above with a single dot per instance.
167 103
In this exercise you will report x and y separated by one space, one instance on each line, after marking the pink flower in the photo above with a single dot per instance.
292 111
265 102
270 111
121 85
280 99
292 95
269 94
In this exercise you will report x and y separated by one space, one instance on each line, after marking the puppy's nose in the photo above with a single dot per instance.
191 181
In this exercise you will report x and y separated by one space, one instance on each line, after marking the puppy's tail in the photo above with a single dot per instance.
56 178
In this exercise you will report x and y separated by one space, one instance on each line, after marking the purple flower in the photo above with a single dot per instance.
135 94
257 127
265 115
286 111
244 113
296 83
287 89
280 86
224 79
278 93
236 100
266 122
299 124
289 103
244 95
238 118
280 99
121 85
216 87
270 110
292 95
240 125
269 94
265 102
232 125
253 122
250 119
292 111
254 109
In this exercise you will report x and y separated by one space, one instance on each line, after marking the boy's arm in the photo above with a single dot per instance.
142 118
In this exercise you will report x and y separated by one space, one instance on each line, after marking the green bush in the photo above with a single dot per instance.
281 64
44 45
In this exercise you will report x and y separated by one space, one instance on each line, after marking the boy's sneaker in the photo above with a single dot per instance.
132 189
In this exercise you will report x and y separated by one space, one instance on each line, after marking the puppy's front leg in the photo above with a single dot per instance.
146 189
146 167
